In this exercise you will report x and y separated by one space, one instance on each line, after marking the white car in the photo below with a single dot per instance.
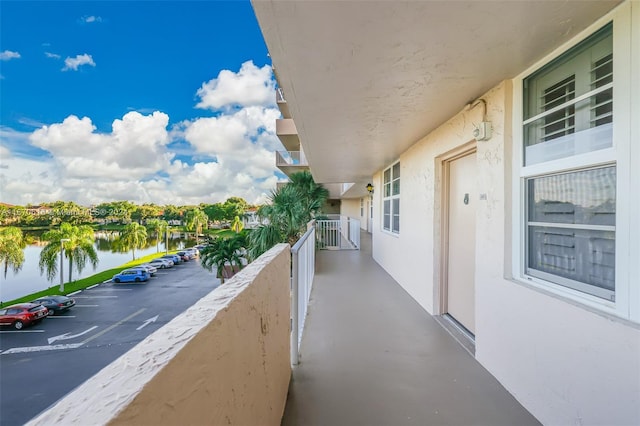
194 251
149 268
161 263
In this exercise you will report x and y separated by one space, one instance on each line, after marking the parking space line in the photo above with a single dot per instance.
96 297
112 289
93 286
69 345
74 293
59 317
87 306
21 331
41 348
95 336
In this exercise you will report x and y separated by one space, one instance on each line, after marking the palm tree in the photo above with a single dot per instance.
158 227
313 195
195 220
237 225
225 254
133 236
291 208
12 243
78 245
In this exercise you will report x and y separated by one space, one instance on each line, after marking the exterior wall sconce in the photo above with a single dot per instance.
483 131
370 188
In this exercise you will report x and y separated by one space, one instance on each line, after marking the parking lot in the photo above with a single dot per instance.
42 363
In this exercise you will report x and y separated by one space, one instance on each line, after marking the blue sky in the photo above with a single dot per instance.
165 102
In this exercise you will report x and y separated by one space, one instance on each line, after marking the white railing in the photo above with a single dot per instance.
303 260
338 233
291 158
354 232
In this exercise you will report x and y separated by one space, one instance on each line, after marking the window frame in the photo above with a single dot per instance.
620 154
391 198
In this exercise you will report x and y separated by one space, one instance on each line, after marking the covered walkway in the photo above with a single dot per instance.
371 355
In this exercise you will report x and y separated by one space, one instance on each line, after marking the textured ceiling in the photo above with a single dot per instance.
364 80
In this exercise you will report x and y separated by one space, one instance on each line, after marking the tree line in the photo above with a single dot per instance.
285 217
120 212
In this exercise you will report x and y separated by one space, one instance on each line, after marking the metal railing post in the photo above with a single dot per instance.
301 287
295 355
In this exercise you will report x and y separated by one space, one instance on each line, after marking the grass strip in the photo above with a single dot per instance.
83 283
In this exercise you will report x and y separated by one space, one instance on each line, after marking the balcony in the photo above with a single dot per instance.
288 134
291 162
369 356
282 103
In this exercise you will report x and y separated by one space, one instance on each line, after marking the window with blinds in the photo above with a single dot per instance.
391 199
571 207
571 229
568 105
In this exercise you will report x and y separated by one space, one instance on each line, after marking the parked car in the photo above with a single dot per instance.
149 268
23 314
161 263
131 275
194 251
185 255
56 304
176 259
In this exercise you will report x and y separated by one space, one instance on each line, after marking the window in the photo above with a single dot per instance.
361 207
576 168
570 197
568 104
391 199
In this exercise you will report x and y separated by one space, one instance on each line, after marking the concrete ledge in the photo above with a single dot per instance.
223 361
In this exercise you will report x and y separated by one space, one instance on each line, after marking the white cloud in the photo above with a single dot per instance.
8 54
250 86
5 153
73 63
135 148
91 19
136 160
52 55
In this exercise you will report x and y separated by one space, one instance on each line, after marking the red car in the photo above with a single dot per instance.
22 314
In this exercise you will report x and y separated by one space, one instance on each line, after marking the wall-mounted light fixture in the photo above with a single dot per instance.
484 130
370 188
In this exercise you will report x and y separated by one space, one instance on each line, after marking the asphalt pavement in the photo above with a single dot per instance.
42 363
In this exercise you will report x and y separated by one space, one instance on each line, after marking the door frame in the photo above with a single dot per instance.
441 223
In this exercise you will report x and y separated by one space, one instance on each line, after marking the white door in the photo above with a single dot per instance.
461 240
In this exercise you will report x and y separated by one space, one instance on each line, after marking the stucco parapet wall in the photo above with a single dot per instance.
225 360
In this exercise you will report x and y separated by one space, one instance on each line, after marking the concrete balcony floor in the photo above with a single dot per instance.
371 355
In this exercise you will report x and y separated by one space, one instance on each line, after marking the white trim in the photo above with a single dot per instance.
626 157
573 226
633 266
391 198
594 159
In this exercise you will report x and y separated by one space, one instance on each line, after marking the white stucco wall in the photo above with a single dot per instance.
563 362
351 208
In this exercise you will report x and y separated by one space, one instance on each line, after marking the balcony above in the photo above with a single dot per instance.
282 104
291 162
288 134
